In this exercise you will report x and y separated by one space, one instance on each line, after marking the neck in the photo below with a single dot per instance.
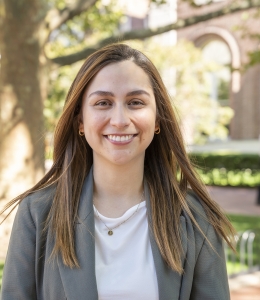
117 187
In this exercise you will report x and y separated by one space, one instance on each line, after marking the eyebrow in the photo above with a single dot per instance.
137 92
106 93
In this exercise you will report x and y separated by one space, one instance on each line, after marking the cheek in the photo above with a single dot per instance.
92 121
148 131
148 121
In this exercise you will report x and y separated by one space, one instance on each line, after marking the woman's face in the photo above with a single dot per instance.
119 114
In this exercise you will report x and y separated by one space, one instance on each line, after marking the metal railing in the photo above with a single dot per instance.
245 260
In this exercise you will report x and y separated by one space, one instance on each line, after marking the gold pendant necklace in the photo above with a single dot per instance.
110 230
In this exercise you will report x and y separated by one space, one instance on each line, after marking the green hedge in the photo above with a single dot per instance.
228 169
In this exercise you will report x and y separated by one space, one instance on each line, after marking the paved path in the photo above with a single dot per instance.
235 146
246 293
240 201
245 287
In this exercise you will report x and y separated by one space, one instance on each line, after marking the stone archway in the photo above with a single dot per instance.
203 36
244 82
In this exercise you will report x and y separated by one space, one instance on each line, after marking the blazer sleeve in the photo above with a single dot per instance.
210 279
19 269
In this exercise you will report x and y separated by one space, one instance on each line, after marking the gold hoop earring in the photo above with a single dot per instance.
81 133
157 131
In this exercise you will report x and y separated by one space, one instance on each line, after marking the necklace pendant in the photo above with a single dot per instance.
110 232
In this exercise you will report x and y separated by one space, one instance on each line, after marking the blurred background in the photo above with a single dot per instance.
208 53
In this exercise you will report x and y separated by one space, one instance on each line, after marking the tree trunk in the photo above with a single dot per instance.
21 120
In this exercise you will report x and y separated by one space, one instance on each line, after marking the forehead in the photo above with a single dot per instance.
120 75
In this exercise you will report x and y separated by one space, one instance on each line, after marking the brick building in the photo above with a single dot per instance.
244 85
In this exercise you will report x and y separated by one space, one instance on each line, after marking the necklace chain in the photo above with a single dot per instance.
110 230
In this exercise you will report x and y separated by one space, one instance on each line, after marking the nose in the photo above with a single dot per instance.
120 117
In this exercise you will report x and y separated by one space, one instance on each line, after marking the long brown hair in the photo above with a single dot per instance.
165 160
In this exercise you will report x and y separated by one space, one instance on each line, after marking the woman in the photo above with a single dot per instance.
110 220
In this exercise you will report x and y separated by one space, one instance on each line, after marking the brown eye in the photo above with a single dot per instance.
136 103
103 103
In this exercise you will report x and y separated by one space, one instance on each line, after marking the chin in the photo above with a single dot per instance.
120 158
120 161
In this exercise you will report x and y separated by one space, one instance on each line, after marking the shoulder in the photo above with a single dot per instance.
194 201
205 253
203 230
197 209
197 222
37 204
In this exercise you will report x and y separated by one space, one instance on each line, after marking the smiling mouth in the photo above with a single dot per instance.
120 138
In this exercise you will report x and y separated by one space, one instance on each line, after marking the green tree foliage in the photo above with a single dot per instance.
99 22
60 81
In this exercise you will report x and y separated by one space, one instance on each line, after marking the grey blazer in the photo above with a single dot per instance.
29 275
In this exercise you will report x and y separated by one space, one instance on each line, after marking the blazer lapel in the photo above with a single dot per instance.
80 283
83 279
169 281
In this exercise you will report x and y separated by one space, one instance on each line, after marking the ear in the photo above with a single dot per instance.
80 122
157 125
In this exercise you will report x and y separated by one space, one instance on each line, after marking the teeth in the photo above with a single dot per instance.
121 138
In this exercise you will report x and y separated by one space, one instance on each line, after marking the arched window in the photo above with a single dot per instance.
218 53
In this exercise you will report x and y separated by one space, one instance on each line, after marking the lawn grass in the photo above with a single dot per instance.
234 268
243 223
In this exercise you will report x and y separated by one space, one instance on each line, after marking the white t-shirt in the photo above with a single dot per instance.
124 262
